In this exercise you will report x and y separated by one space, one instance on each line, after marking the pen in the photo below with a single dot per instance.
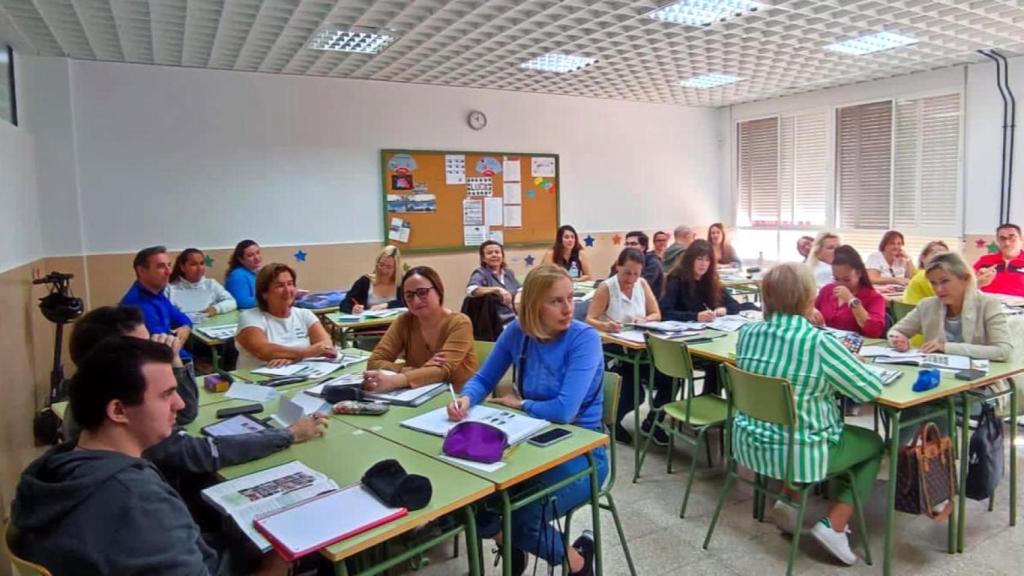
452 392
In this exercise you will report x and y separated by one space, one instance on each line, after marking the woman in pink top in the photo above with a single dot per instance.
850 302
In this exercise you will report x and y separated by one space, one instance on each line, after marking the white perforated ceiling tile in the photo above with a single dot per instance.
777 50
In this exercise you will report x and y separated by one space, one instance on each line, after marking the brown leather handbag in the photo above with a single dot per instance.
926 474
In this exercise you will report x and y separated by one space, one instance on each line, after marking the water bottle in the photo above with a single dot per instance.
574 271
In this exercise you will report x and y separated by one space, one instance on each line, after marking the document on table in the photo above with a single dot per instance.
517 426
222 332
253 392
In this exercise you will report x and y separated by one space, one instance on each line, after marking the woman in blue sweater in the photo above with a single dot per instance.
240 279
561 367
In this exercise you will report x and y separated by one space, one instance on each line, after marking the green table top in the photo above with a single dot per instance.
521 462
344 321
346 452
206 397
218 320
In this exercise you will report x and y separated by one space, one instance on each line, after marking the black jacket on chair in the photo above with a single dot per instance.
483 313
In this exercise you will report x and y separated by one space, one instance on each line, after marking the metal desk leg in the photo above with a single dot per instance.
506 533
472 549
1013 452
890 509
965 458
956 519
595 511
637 433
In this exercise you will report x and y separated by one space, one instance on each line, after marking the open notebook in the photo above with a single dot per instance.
312 524
516 425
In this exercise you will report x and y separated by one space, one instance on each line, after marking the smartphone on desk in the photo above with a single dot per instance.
549 437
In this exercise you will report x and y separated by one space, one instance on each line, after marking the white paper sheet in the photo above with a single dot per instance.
234 426
473 212
512 170
513 216
222 332
474 235
454 169
493 212
399 230
252 392
477 187
492 467
512 193
288 370
516 425
543 166
408 395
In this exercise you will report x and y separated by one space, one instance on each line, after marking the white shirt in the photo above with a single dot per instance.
876 261
823 273
292 331
196 297
621 308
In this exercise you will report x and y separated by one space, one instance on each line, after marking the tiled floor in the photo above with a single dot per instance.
662 543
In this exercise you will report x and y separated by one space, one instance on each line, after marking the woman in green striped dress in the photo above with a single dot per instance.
818 367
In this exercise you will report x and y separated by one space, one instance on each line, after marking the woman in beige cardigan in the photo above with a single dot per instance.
958 319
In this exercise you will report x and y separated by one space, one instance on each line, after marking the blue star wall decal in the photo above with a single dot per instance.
589 241
300 256
529 260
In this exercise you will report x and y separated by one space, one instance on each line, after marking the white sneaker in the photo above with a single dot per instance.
784 517
838 543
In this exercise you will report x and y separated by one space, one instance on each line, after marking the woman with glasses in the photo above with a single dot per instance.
377 290
890 265
436 342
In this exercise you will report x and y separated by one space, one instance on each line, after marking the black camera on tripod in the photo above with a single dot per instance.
61 307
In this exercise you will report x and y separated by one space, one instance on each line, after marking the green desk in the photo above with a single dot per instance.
344 454
340 324
522 462
897 398
206 397
213 344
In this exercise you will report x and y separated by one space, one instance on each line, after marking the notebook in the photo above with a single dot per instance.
408 396
517 426
312 524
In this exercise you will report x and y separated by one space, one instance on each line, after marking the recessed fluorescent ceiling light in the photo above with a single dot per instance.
703 13
709 81
560 63
359 40
871 43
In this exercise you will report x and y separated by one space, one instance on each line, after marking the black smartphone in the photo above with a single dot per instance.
969 374
549 437
243 409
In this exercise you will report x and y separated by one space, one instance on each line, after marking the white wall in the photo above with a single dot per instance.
20 239
199 157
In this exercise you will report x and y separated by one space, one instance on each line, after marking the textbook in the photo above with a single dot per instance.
320 521
516 425
408 396
940 361
248 497
668 326
222 332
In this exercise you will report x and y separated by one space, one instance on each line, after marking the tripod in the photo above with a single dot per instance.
61 307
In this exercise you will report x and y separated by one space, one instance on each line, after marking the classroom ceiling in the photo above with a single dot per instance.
777 50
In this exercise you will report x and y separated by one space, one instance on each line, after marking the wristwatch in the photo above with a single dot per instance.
854 302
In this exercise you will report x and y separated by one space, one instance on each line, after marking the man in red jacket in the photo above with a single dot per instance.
1003 273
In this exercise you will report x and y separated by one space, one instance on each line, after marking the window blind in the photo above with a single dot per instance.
926 190
864 165
758 181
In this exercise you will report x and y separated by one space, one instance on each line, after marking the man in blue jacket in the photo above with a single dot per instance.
148 293
97 507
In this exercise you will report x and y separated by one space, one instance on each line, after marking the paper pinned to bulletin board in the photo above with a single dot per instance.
455 200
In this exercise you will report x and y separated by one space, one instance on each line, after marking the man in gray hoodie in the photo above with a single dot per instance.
97 507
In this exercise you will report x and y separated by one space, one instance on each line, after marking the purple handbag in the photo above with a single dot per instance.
476 441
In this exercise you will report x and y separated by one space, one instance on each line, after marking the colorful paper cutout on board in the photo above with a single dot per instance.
402 164
531 193
980 243
401 181
300 256
208 261
529 260
992 247
588 241
616 239
488 166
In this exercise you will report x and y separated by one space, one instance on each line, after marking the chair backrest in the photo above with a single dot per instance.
482 349
761 397
901 309
21 567
670 358
612 384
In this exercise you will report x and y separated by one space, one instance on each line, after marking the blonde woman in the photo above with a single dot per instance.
379 289
820 260
919 288
561 367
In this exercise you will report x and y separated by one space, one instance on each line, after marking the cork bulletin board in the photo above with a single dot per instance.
443 201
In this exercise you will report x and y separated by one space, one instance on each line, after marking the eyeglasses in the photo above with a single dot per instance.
420 293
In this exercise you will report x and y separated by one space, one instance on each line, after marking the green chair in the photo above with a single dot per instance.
612 385
901 309
771 400
20 567
698 414
482 349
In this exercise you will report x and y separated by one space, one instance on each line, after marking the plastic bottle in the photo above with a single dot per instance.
574 271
